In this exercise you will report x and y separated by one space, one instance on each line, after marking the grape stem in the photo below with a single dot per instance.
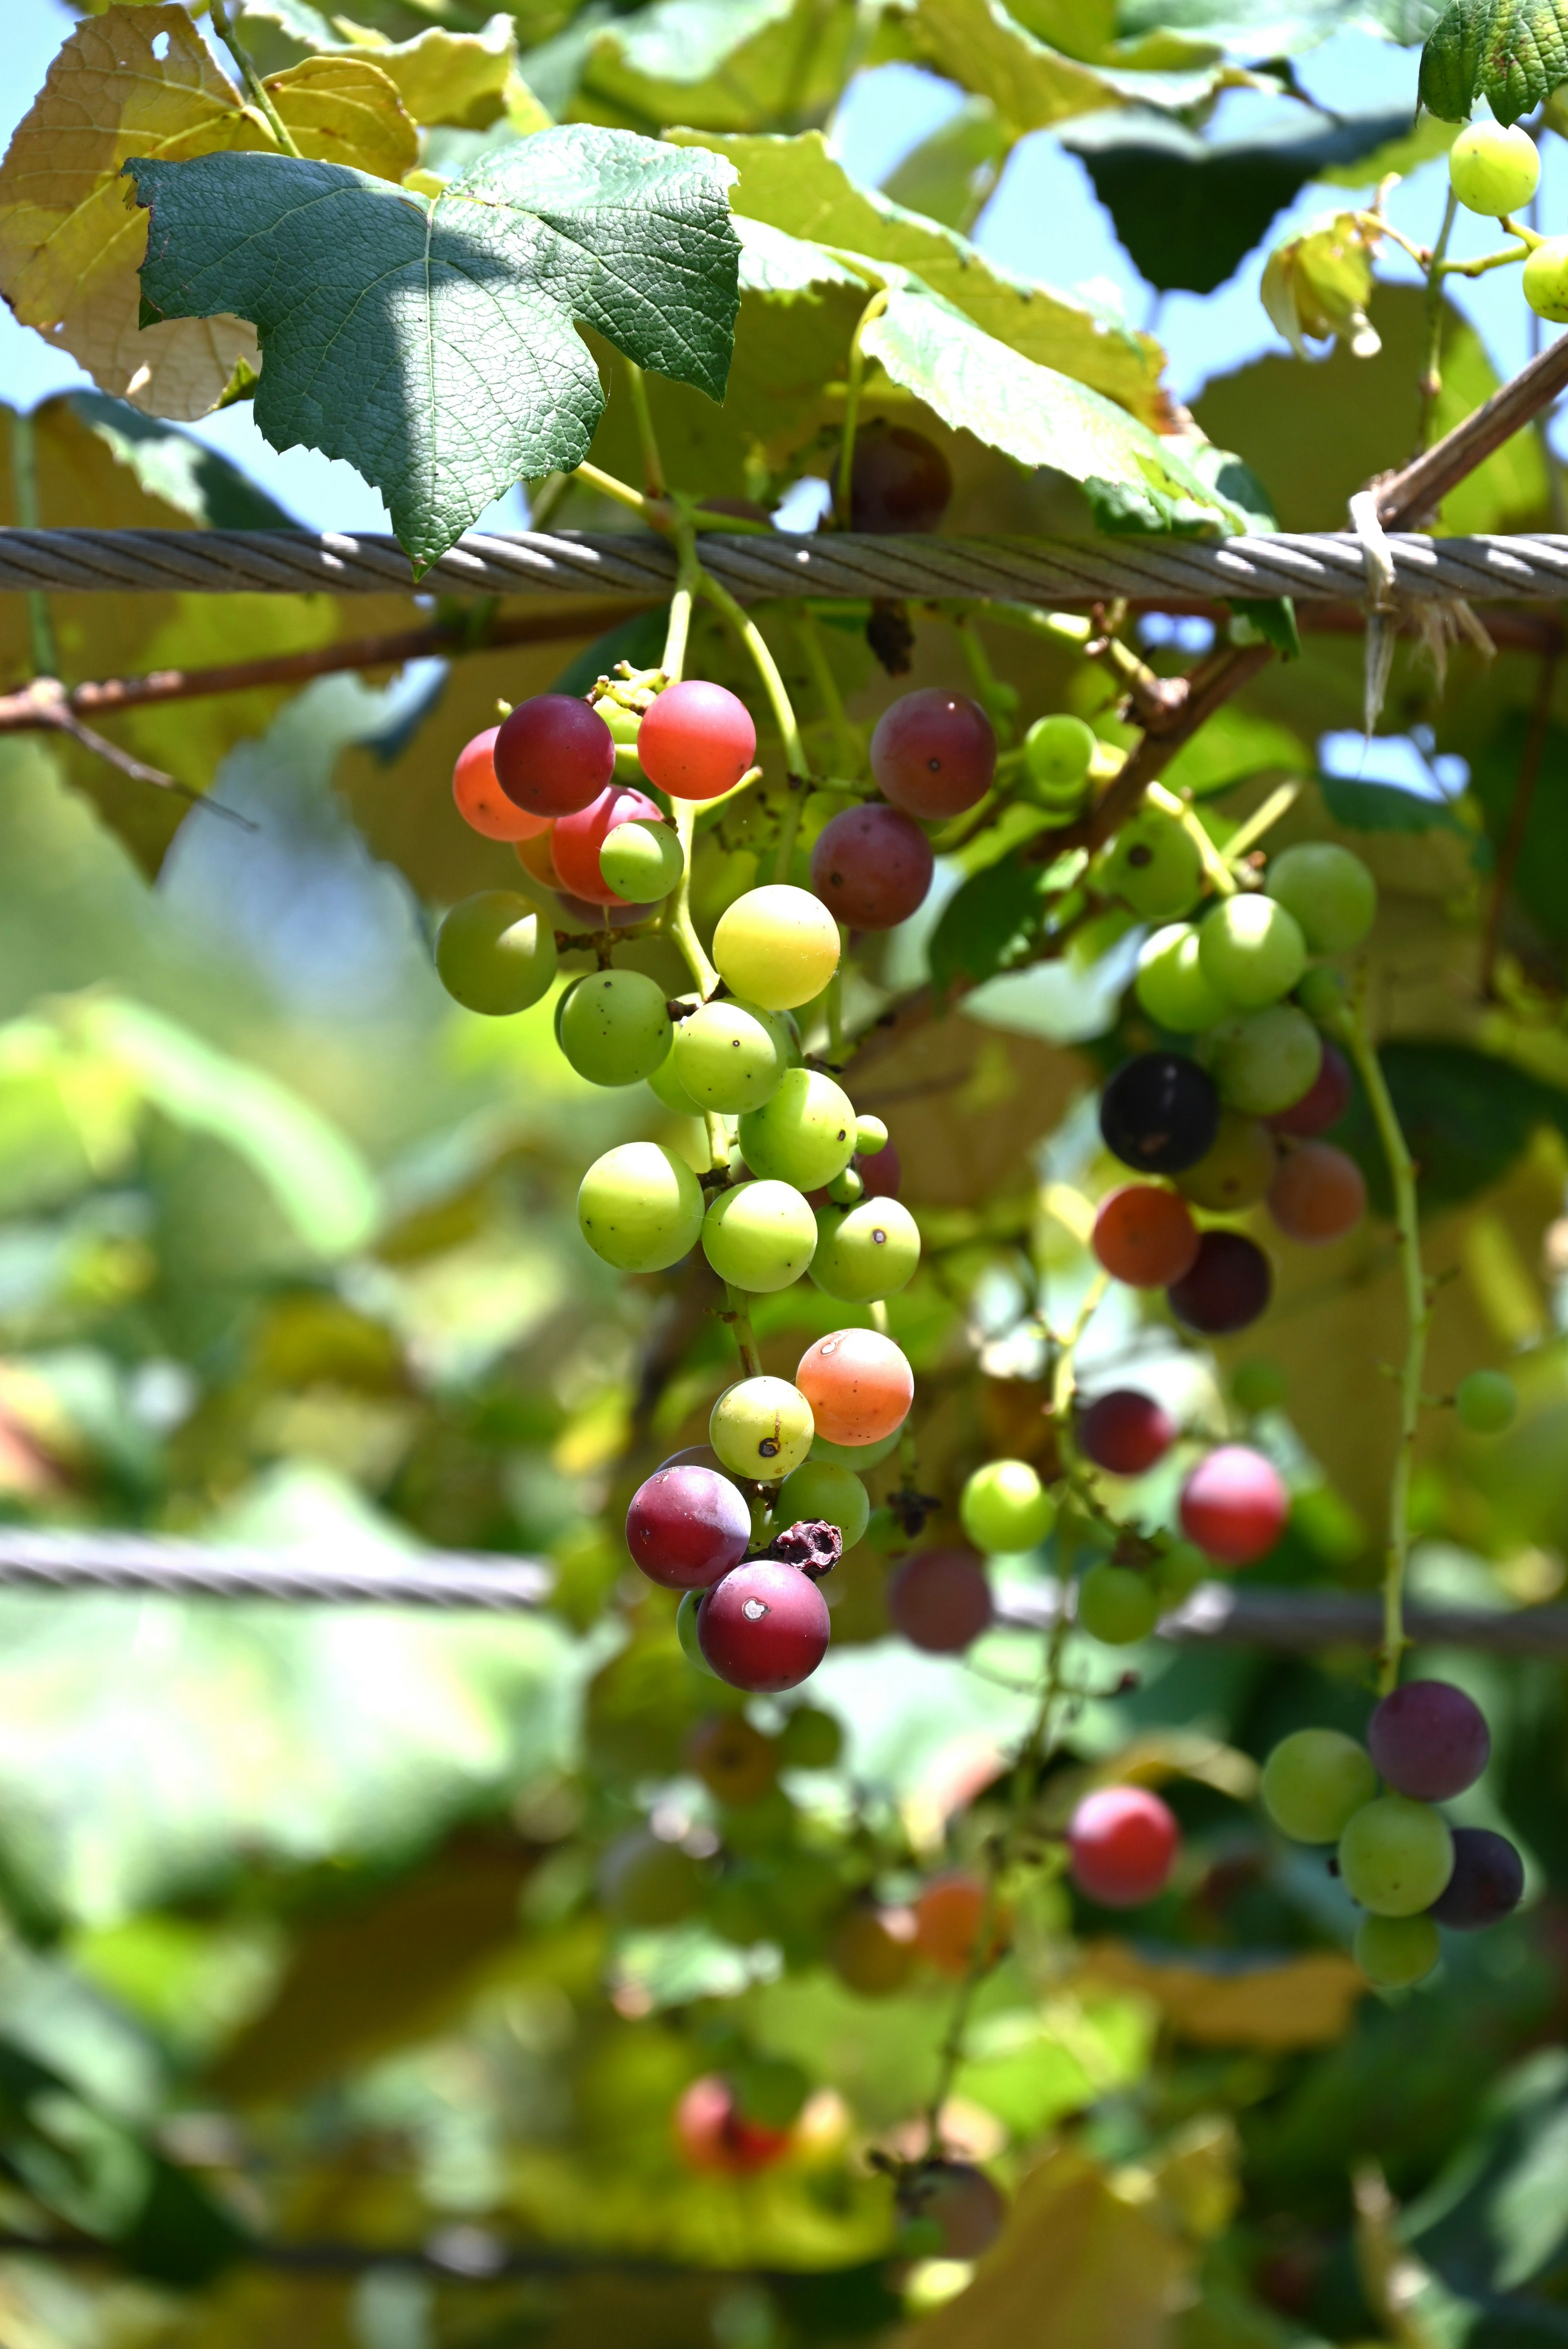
738 1317
856 378
1262 820
677 920
261 97
834 998
1431 381
845 744
653 480
1214 865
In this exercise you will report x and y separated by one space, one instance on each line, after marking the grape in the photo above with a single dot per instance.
817 1493
858 1385
668 1088
1122 1842
1487 1401
1545 279
765 1627
881 1173
1493 168
1488 1881
1429 1739
871 867
697 740
536 858
858 1456
1396 1856
553 755
646 1883
713 2135
729 1055
1154 866
1003 1506
1178 1572
1234 1505
1160 1112
1144 1235
1314 1781
899 480
1237 1171
641 861
804 1133
686 1632
761 1427
845 1188
1170 984
577 841
614 1028
962 2203
1267 1061
940 1601
735 1762
481 801
687 1526
865 1251
1058 752
1258 1386
1228 1286
1322 1105
872 1950
495 952
624 723
811 1739
640 1207
1329 891
949 1918
1396 1953
760 1236
1117 1605
933 753
1319 1194
871 1136
1125 1432
777 945
769 2089
1251 951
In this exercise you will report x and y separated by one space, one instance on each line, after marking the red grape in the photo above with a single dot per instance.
480 799
577 838
713 2134
1234 1505
933 753
940 1601
1322 1105
1125 1432
687 1526
1317 1193
948 1916
553 755
697 740
1429 1739
1144 1235
1487 1882
859 1384
962 2202
1122 1842
1160 1112
881 1173
871 867
1228 1286
898 479
764 1626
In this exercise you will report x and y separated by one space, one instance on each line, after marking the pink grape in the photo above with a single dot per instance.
695 740
933 753
940 1601
687 1526
871 867
1125 1432
1322 1105
1122 1842
763 1627
1234 1505
553 755
1429 1739
577 838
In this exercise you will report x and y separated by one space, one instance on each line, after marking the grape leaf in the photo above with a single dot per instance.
730 64
1512 52
431 341
992 914
1033 86
442 76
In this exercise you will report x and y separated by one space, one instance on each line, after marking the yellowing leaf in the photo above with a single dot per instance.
1318 284
463 78
180 368
1305 2001
347 110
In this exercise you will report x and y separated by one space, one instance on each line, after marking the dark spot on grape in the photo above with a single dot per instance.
767 1448
734 1043
1140 855
880 1238
934 765
836 880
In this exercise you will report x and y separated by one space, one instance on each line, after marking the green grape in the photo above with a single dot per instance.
760 1236
624 724
854 1455
865 1251
1154 866
1236 1169
1396 1953
686 1632
640 1207
495 952
1265 1062
1323 992
1493 169
761 1428
641 861
871 1135
1117 1606
1058 753
1003 1506
804 1134
777 945
1314 1781
1396 1856
1487 1401
818 1490
811 1739
846 1188
1545 277
614 1028
1258 1386
1170 984
646 1883
1178 1572
1329 891
731 1055
666 1087
1251 951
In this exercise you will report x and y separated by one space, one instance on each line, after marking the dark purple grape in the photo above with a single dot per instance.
898 481
1488 1881
871 866
687 1526
1429 1739
1125 1432
1228 1286
1159 1114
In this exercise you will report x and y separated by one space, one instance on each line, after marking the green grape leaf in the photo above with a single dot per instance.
1512 52
1382 807
431 341
1465 1114
984 921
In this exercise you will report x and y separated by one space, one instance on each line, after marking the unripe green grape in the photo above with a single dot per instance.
1487 1401
1265 1061
777 945
1236 1169
1314 1781
857 1456
666 1087
614 1028
1323 992
1546 279
871 1135
731 1055
761 1428
846 1188
866 1251
1396 1856
1178 1572
811 1739
760 1236
641 861
1258 1386
1057 753
686 1632
804 1134
1329 891
495 952
816 1490
1154 866
1170 984
1117 1606
1251 951
1493 168
640 1207
1003 1506
1396 1953
624 724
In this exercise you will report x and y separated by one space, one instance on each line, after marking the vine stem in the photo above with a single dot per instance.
1432 373
853 385
740 1318
1214 865
846 745
653 479
678 918
45 652
252 80
768 669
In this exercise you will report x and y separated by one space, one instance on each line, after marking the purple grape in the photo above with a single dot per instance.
1160 1112
687 1526
1228 1286
1488 1881
1428 1741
